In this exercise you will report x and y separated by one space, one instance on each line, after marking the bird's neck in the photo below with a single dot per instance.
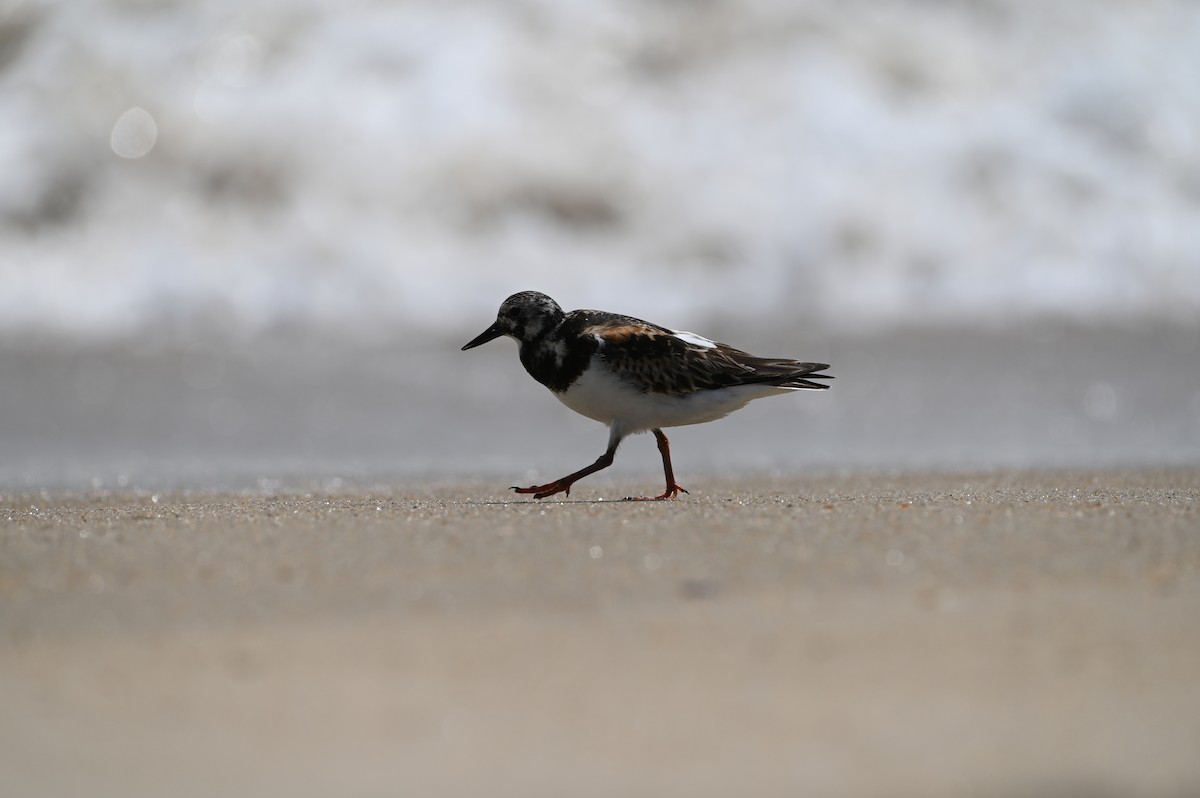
555 360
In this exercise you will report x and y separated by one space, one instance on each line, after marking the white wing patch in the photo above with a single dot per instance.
693 339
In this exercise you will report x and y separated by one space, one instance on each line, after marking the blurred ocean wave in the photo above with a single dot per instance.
369 169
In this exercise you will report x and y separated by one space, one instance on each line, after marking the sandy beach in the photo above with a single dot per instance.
1004 634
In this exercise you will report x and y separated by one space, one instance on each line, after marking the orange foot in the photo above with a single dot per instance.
549 489
672 491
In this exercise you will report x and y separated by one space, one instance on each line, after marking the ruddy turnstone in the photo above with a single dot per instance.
636 376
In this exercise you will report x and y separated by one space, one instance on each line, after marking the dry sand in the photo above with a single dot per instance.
1015 634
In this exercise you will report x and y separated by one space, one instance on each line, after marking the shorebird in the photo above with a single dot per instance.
636 376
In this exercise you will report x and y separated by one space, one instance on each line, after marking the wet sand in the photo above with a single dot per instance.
226 415
1017 633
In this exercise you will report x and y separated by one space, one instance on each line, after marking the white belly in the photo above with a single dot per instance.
601 395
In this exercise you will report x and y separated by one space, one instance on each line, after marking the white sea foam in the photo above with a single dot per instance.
370 167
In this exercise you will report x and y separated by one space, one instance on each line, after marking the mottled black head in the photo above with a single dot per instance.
524 316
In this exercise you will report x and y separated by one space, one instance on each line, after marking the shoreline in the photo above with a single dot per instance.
287 410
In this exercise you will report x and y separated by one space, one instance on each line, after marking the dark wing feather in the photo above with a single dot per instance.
660 362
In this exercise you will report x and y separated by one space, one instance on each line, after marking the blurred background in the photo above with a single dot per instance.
242 242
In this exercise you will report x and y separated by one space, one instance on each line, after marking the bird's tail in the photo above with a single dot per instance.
791 374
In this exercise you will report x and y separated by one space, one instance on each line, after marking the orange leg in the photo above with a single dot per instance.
673 489
564 485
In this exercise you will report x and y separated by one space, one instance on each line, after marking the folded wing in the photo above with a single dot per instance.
676 363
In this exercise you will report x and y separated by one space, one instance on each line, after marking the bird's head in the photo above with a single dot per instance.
523 316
